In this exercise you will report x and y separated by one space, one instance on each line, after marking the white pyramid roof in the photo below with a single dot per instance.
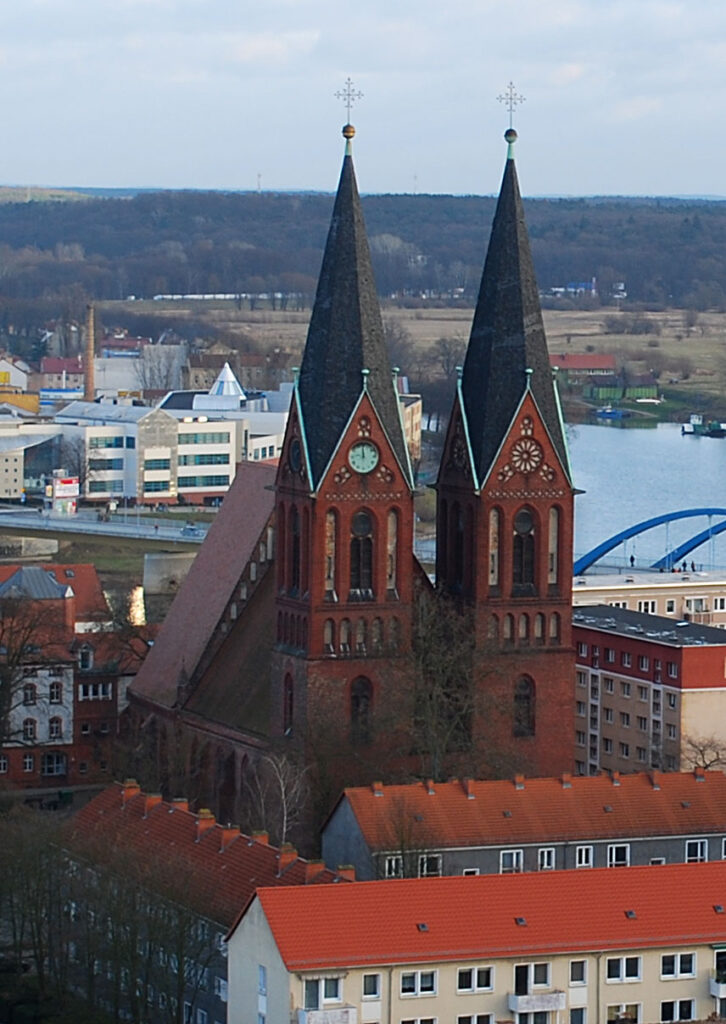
226 383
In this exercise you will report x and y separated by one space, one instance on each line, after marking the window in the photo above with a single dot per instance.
626 659
625 688
524 707
643 662
393 867
418 983
624 1013
609 684
523 556
202 1017
647 606
361 556
371 986
672 669
624 749
332 990
510 862
642 723
609 655
29 694
429 865
153 464
55 729
311 993
619 855
578 972
608 713
29 729
642 692
546 858
578 1015
85 658
582 678
672 701
475 1018
3 764
580 738
677 1009
541 974
583 857
529 976
582 650
581 707
623 968
678 965
670 731
607 745
696 851
625 719
474 979
642 754
470 871
262 979
55 693
220 989
95 691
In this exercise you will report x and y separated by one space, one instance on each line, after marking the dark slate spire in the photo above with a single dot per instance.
345 336
507 335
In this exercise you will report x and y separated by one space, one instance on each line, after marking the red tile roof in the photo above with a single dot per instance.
476 917
91 604
56 364
203 596
542 810
583 360
226 867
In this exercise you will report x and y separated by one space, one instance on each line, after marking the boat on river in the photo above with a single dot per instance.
697 428
608 413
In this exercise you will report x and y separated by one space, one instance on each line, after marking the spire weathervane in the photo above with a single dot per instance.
512 99
349 95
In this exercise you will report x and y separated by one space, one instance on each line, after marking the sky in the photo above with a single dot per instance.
622 97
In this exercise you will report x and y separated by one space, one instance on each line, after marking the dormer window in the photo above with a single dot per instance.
85 658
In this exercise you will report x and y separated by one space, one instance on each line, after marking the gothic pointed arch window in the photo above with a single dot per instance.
493 632
553 547
523 628
281 546
345 636
377 635
361 700
394 634
494 532
361 556
508 629
524 707
523 553
331 536
288 704
294 579
361 636
392 553
554 628
329 636
539 628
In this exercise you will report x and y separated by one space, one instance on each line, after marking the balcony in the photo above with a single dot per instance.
536 1002
717 984
339 1015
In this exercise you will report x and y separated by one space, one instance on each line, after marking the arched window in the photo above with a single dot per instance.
55 692
553 546
493 632
360 636
458 526
329 636
288 698
523 552
55 729
281 547
494 524
29 729
294 551
361 557
345 636
524 707
377 635
539 628
305 552
331 529
29 694
523 630
508 629
394 634
392 553
554 628
361 698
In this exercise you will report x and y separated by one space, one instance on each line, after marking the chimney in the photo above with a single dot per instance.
89 383
151 800
288 855
699 773
377 788
615 778
130 789
346 872
566 780
430 787
69 610
312 869
229 834
205 821
468 787
655 779
180 803
260 836
519 781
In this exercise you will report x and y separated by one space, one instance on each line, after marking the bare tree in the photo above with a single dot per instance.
705 752
449 354
277 791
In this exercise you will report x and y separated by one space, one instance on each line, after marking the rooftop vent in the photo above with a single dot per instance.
718 908
422 926
608 809
507 814
685 803
520 921
631 915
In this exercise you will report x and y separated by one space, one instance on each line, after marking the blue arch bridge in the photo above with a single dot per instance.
672 557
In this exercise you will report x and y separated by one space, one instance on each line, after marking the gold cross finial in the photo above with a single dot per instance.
511 98
349 95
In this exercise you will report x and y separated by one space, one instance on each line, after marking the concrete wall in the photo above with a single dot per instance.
164 572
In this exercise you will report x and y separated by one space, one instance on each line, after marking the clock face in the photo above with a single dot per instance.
363 457
295 455
526 455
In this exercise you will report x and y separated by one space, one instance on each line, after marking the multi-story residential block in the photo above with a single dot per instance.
567 947
510 826
692 596
195 877
649 689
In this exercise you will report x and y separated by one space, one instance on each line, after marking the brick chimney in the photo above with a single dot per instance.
468 787
377 788
205 821
429 784
151 800
288 855
312 869
519 781
130 789
566 780
655 779
260 836
699 773
347 872
229 834
180 803
615 778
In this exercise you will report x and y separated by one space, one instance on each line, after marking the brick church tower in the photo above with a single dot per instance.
344 508
505 509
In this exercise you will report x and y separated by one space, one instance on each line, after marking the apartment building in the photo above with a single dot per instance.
646 686
565 947
695 595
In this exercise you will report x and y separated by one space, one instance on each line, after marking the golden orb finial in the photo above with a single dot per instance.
348 132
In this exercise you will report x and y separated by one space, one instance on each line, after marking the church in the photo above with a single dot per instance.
306 623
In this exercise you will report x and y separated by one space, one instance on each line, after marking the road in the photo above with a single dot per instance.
86 522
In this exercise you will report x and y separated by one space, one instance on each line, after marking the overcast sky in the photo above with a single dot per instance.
622 96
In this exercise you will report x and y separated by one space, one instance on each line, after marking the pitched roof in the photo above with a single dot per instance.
540 810
225 873
91 602
476 917
345 337
583 360
660 629
226 383
507 337
203 596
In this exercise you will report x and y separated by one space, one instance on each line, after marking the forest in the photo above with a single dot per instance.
667 252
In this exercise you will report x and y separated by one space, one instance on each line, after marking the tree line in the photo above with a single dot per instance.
667 252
